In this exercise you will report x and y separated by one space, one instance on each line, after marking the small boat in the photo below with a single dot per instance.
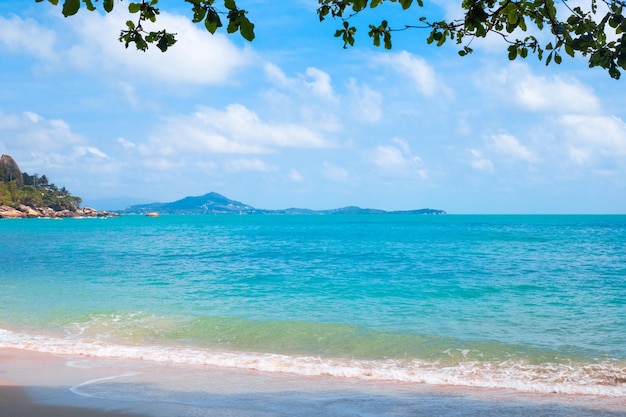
152 214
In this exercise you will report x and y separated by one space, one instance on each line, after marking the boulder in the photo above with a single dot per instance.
10 171
29 211
7 212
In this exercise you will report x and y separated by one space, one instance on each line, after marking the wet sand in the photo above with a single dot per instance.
37 385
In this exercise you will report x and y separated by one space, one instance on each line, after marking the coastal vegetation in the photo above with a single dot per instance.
25 195
18 187
593 29
38 194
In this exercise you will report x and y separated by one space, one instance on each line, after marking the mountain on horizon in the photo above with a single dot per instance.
214 203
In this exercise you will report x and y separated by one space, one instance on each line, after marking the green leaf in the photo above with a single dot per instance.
387 40
550 9
358 5
70 7
246 28
512 52
230 4
199 13
89 5
406 3
140 43
108 5
233 26
134 7
569 50
513 16
166 40
212 21
558 59
376 37
442 40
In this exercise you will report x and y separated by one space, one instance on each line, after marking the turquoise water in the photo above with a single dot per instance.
532 303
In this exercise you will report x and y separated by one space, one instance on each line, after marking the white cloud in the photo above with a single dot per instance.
234 130
416 69
197 58
314 82
366 103
295 176
591 139
335 173
26 35
30 131
51 147
507 145
319 83
398 160
479 162
126 144
255 164
389 157
555 94
89 151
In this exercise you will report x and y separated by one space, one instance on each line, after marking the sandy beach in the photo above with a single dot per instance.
14 401
37 384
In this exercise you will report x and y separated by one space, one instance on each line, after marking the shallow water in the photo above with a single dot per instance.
529 303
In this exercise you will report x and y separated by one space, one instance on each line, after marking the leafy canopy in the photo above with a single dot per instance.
203 11
526 26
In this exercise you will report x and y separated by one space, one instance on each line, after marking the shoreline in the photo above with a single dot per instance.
41 384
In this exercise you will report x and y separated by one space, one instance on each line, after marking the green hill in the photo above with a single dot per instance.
18 188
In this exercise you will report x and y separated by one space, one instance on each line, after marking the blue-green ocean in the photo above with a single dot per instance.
529 303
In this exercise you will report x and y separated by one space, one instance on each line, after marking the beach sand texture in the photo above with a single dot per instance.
38 385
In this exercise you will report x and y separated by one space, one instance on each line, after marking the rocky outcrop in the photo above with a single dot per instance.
9 170
22 212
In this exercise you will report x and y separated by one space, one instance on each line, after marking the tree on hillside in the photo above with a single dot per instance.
526 26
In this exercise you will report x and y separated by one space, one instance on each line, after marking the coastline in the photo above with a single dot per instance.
40 384
29 212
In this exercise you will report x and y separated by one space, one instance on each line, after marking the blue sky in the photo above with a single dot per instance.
294 120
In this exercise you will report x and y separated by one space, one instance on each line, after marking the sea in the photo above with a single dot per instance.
523 303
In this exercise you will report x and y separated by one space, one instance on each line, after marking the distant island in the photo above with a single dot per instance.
27 196
214 203
34 196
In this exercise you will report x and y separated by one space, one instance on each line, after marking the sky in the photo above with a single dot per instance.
294 120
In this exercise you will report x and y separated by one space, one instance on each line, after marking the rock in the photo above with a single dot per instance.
9 170
7 212
24 211
29 211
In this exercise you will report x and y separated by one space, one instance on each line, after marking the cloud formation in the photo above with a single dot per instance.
417 70
234 130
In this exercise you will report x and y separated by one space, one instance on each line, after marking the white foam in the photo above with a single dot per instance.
604 378
77 389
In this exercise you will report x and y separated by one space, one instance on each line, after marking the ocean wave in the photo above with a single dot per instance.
605 378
